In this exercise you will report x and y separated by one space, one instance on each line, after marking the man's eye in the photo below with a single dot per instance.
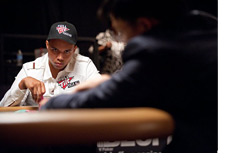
67 51
54 49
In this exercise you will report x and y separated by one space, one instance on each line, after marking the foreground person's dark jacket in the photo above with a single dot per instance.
172 67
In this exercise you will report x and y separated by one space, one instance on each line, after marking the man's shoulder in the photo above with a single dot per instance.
81 58
141 43
37 63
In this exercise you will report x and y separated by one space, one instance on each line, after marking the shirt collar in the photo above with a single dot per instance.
47 73
71 64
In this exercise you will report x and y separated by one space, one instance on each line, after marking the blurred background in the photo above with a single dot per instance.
25 24
36 17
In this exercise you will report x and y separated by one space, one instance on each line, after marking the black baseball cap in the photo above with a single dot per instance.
64 31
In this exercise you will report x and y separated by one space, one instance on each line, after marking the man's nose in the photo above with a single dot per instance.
60 56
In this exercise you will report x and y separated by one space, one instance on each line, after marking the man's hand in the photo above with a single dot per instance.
36 87
43 101
91 83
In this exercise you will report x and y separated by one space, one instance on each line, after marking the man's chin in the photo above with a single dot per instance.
59 67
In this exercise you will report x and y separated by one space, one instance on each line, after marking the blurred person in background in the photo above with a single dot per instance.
111 46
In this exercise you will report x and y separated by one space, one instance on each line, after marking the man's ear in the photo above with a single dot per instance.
75 47
145 24
47 44
74 50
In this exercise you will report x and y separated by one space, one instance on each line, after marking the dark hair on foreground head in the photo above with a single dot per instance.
129 10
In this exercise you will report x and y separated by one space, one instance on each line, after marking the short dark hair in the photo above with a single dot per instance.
129 10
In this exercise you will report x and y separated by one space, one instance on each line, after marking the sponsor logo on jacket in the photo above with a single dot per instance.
65 82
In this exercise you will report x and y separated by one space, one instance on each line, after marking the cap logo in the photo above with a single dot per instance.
62 29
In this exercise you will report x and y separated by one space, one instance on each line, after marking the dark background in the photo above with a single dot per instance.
35 17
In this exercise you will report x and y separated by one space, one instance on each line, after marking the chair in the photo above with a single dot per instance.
85 127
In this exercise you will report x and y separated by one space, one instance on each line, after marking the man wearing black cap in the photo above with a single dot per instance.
58 71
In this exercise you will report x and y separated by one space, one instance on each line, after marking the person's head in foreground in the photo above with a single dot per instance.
170 62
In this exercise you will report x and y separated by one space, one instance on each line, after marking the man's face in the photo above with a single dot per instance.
126 29
60 53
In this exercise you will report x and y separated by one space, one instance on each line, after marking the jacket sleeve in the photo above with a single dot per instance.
118 91
14 95
132 86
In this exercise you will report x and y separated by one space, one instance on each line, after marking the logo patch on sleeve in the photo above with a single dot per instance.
64 82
